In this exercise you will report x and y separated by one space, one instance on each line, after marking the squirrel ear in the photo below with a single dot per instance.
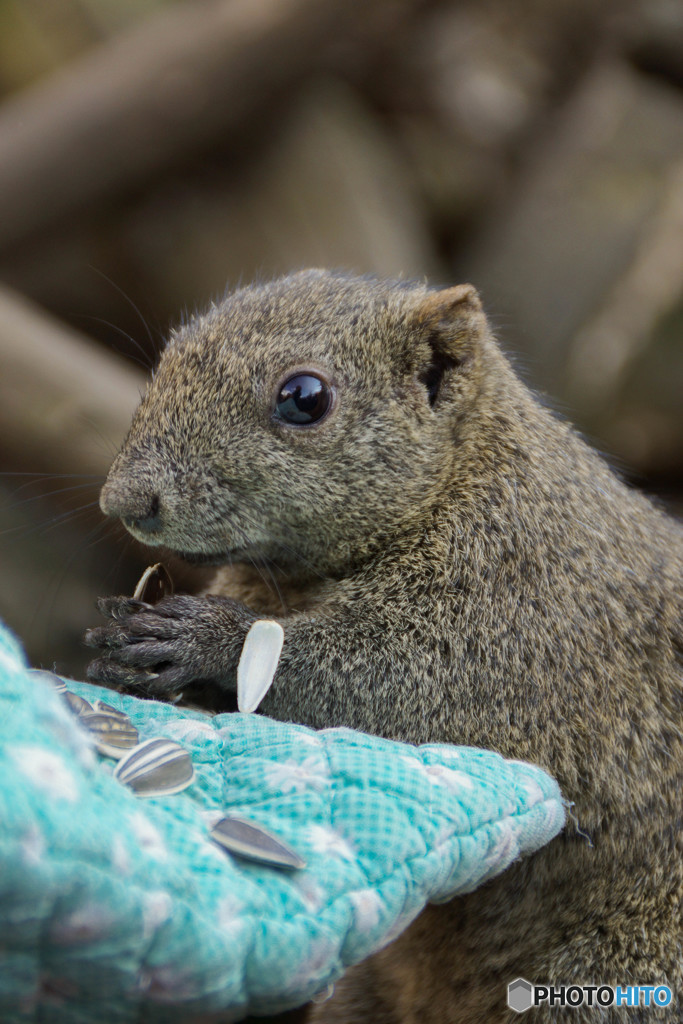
451 321
455 315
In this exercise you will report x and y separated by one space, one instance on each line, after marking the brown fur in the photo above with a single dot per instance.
466 570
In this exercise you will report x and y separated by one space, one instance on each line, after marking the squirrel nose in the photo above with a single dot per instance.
141 512
149 523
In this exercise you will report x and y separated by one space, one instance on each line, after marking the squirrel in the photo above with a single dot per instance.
450 562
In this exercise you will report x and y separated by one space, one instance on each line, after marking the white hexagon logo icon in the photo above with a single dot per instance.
520 995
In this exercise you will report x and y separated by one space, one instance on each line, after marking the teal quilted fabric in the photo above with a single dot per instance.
120 909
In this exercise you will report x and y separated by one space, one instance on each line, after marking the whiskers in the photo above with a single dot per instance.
28 502
294 552
50 562
262 567
269 569
117 288
143 358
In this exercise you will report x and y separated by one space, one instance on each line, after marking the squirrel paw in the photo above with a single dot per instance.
163 647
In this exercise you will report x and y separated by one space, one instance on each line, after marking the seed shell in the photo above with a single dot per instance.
154 584
114 734
324 994
157 767
254 843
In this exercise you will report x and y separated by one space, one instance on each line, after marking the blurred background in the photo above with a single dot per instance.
155 152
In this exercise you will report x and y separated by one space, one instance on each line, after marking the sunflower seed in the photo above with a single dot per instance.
251 842
107 709
48 677
157 767
79 705
154 584
114 734
324 994
258 663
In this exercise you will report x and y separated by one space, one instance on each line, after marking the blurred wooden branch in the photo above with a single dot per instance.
65 404
193 74
585 260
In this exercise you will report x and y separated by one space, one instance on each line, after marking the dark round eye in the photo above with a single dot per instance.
303 399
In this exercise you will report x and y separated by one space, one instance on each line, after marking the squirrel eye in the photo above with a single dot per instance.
303 399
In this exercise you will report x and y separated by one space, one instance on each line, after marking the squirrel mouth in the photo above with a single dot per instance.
199 560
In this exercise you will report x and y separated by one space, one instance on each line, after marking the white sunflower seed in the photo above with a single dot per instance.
258 663
157 767
251 842
114 734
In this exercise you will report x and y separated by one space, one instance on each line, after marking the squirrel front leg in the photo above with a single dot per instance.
347 667
166 646
332 671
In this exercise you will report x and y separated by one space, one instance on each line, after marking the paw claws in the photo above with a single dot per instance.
119 607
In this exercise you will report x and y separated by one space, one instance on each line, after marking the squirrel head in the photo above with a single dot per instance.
307 420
